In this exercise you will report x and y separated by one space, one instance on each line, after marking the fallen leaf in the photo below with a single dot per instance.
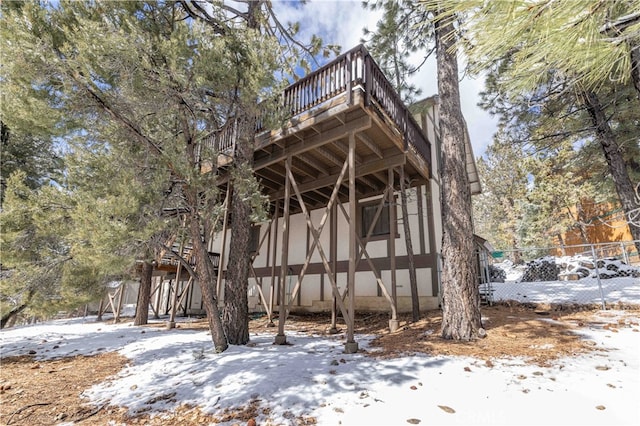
600 407
413 388
602 367
446 409
467 369
413 421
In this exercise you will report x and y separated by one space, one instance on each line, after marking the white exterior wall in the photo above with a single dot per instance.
315 292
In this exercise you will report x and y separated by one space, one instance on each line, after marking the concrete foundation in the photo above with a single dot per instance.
351 347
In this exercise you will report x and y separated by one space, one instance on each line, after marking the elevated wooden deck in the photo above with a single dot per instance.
348 97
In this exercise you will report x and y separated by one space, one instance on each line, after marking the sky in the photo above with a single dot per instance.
313 377
341 22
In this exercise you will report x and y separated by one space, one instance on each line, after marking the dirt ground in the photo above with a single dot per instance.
48 392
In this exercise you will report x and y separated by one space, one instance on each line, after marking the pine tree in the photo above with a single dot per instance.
419 25
498 210
32 154
163 91
461 319
246 203
34 249
578 49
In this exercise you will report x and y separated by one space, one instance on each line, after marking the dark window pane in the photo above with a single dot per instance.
382 226
254 239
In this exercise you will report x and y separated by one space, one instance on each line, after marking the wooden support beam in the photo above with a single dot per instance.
420 201
123 287
314 142
281 339
364 169
381 204
315 233
302 168
374 269
344 148
351 346
155 305
370 144
185 291
174 297
392 240
382 164
274 230
313 163
333 274
258 287
329 156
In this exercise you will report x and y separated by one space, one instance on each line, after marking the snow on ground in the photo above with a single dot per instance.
587 290
313 377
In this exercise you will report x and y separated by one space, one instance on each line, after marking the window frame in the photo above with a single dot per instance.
362 229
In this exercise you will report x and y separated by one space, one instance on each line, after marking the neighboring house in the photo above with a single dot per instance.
341 158
596 223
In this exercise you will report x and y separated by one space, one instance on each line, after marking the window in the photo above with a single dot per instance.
254 239
368 214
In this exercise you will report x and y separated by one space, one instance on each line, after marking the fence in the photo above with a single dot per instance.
595 274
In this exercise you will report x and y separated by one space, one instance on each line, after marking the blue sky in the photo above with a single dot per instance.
341 22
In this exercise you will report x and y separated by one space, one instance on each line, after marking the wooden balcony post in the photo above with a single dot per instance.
281 339
393 323
274 230
351 346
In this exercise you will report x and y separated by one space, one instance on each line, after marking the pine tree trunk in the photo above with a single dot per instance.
615 161
235 315
206 278
461 318
144 294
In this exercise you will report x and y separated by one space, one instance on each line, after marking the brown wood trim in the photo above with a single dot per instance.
342 266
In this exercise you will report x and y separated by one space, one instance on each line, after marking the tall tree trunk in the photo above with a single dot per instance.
413 282
235 315
461 319
204 274
206 278
615 161
144 294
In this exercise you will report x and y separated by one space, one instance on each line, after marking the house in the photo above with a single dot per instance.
333 175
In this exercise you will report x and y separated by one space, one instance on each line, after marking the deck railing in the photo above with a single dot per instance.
355 68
